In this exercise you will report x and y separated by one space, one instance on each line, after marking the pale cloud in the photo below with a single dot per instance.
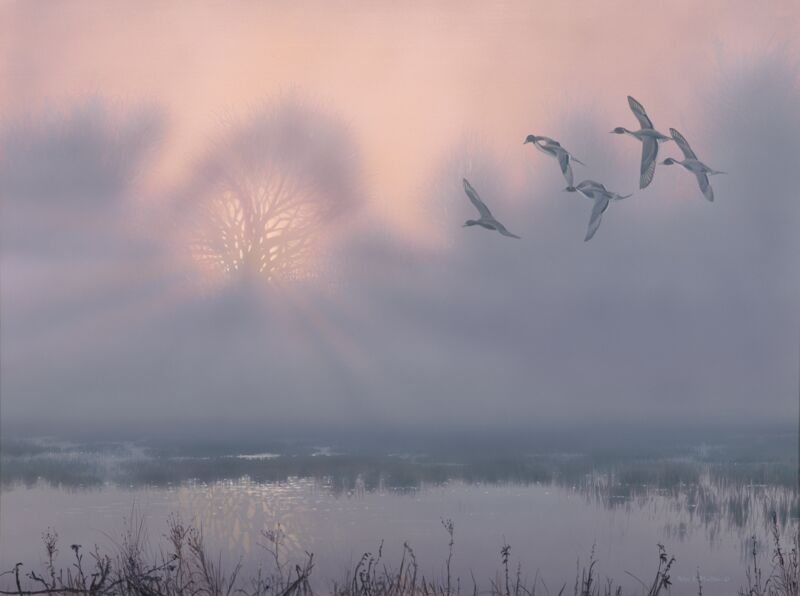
678 310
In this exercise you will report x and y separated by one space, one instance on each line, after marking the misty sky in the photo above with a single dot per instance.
120 122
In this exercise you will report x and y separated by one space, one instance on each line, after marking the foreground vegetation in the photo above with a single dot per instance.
711 485
186 568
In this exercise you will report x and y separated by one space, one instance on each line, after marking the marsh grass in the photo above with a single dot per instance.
783 576
185 567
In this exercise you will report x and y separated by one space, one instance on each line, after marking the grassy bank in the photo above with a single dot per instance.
186 568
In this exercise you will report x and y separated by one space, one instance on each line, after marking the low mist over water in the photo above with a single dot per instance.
370 298
709 504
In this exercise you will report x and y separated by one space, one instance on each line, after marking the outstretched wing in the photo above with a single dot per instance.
600 206
649 154
476 200
681 141
705 186
638 111
566 169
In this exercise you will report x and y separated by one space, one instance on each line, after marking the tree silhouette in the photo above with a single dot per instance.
269 191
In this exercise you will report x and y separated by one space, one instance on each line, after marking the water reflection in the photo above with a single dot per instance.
550 507
691 493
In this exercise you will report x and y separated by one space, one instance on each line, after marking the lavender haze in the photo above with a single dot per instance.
122 144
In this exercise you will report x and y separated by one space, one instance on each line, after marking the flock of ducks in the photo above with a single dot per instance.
596 192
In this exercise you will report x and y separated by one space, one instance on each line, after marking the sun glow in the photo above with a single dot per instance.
268 233
268 192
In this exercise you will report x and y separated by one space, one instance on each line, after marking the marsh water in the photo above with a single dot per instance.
553 509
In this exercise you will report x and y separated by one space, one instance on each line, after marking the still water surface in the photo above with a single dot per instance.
549 525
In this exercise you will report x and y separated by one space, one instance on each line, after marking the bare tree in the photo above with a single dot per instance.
269 190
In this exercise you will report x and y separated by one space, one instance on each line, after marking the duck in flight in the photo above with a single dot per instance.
554 149
650 139
486 220
694 165
602 198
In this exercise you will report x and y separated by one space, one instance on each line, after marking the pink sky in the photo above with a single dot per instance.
697 299
410 78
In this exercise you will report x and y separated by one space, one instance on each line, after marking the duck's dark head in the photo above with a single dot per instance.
669 161
470 222
619 130
570 189
531 139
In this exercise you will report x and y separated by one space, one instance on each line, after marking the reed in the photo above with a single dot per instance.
185 568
